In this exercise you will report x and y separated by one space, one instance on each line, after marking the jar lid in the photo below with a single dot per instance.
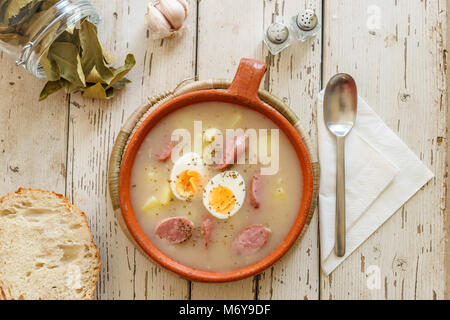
307 20
277 33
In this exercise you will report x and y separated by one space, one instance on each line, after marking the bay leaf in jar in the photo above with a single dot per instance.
50 87
75 61
93 52
97 91
50 67
17 11
77 55
67 58
47 4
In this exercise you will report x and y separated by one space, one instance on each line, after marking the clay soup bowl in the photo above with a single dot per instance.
243 91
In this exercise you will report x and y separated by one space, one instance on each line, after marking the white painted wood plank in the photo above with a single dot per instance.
234 36
295 76
32 134
447 223
126 273
415 108
228 31
399 68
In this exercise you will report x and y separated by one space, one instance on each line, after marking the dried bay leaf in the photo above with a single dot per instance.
119 73
17 11
109 58
32 26
109 93
12 8
7 29
96 91
3 6
49 38
66 55
50 67
74 61
54 86
13 39
48 4
121 83
72 37
68 87
92 54
5 11
49 88
94 77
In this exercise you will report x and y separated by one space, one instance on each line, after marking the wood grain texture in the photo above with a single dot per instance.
296 275
224 37
63 144
400 70
32 134
93 126
295 76
447 224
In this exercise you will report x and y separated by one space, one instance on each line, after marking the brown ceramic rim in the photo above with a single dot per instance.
243 91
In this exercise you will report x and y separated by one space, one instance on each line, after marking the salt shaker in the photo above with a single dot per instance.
305 25
277 37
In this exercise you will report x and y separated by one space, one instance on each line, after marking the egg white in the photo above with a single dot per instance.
189 161
231 180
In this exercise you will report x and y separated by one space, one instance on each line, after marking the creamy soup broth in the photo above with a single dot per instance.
280 194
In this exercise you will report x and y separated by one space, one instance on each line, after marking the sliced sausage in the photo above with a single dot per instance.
166 152
175 230
208 226
234 149
250 240
255 188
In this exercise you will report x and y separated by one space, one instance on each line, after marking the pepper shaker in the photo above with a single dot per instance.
277 37
305 25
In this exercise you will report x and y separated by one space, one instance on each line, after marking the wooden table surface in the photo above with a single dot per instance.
395 49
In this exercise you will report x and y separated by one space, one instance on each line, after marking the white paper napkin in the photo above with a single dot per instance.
382 173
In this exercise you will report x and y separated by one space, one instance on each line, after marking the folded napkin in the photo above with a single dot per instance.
382 173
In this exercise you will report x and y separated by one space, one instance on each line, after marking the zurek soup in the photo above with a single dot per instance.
216 186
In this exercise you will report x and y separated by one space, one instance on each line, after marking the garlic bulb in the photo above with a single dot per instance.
165 17
157 23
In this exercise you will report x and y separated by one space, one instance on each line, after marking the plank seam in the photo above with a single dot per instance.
322 34
197 10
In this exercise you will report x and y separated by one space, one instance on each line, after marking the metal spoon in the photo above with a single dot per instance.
339 110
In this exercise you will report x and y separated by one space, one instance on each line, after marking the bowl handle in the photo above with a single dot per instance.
247 79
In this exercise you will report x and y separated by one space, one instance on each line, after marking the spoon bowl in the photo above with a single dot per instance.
340 104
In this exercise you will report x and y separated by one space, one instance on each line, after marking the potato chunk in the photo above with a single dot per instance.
162 199
210 135
279 193
236 119
165 194
151 204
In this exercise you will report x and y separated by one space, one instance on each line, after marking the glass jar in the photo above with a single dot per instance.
35 36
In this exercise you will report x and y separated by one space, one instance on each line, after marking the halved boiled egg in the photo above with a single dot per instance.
187 176
224 194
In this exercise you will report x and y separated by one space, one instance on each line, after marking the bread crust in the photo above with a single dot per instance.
76 209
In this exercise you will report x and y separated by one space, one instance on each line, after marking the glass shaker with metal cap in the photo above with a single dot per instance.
305 25
277 37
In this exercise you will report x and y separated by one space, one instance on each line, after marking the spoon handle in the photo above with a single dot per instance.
340 197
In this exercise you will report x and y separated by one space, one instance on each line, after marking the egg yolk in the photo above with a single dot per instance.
221 200
188 183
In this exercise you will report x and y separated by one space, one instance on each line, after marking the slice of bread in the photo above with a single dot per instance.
46 248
